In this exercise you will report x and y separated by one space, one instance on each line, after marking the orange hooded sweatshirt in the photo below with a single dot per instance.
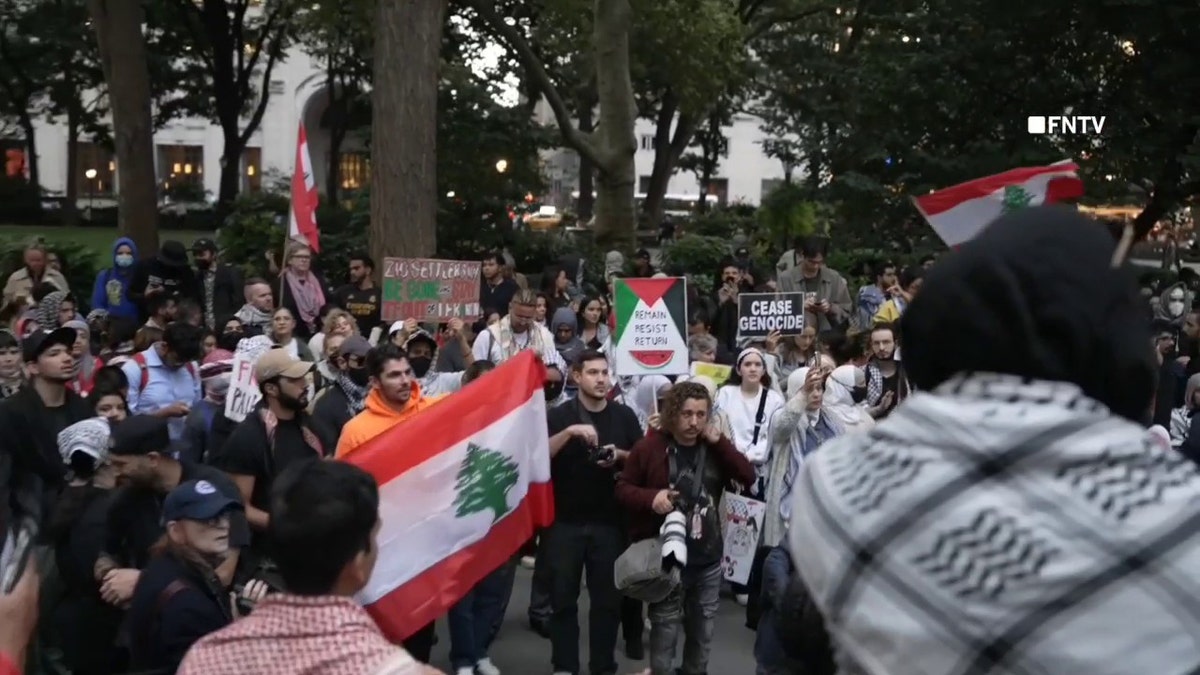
377 417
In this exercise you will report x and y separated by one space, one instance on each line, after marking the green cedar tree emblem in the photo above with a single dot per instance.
484 479
1016 197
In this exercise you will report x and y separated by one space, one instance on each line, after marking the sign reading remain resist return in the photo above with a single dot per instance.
760 314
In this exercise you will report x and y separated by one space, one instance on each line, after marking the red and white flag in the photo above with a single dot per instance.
462 486
957 214
302 220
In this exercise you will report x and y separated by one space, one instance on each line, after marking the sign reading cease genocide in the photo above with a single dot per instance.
760 314
430 290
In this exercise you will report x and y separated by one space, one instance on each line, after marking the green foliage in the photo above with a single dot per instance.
723 223
698 256
788 212
81 262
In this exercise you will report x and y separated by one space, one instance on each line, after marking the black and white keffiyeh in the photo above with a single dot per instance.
1003 525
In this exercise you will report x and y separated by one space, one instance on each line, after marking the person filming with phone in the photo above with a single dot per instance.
589 441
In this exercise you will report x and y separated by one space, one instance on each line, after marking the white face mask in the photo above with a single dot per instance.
1175 308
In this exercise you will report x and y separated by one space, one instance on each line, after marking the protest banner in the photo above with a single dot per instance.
651 333
426 289
760 314
742 529
716 372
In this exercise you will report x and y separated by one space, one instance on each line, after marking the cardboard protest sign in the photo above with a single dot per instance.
651 333
243 388
716 372
742 529
426 289
760 314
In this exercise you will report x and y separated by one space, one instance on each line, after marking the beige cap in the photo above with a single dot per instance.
277 362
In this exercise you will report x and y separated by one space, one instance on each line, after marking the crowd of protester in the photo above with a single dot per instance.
172 538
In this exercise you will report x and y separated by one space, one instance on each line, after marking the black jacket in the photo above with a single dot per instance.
228 295
174 604
330 413
180 281
31 468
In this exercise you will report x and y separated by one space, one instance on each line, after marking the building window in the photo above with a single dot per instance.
355 170
769 185
252 170
643 184
15 165
95 169
181 171
649 142
719 187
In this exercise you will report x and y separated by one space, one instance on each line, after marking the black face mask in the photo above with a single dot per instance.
420 365
203 264
229 340
858 394
358 376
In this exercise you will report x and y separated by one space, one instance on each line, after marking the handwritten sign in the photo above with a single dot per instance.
430 290
243 388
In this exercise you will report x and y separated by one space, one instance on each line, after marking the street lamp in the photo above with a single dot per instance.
502 166
91 176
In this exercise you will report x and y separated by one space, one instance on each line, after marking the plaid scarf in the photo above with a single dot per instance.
1002 525
356 395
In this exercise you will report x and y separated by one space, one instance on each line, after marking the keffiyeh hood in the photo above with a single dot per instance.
89 437
1012 518
47 310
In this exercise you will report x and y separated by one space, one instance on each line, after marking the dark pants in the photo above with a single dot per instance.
539 589
571 549
632 625
420 644
475 618
693 608
770 655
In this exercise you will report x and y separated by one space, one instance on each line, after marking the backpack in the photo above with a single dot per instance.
140 360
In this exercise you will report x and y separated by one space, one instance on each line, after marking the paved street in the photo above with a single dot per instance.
520 651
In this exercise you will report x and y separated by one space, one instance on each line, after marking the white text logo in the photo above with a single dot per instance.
1066 124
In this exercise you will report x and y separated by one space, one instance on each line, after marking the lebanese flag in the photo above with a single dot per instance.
957 214
302 219
462 486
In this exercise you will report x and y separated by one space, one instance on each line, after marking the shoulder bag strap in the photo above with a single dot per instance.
758 416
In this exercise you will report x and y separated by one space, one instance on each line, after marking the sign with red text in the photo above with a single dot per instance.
427 289
243 388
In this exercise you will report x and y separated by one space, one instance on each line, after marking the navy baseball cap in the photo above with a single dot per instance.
196 500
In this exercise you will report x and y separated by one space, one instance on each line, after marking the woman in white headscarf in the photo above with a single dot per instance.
798 429
839 400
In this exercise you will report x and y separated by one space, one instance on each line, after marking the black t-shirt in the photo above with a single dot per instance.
583 491
134 520
713 483
249 452
363 305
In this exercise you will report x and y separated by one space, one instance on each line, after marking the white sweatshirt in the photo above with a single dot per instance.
741 413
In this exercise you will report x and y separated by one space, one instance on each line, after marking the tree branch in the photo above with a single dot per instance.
509 35
265 94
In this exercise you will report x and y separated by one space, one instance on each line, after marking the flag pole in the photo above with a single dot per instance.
1123 246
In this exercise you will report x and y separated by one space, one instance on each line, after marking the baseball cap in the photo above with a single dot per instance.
140 435
196 500
355 345
642 254
204 244
278 362
420 335
742 252
39 341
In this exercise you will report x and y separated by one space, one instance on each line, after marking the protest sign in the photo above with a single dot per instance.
716 372
742 529
243 388
760 314
651 333
430 290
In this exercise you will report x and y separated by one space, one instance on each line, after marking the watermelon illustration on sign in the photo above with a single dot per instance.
651 326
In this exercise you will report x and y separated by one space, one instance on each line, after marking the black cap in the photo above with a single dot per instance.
173 254
39 341
204 244
742 252
196 500
642 253
140 435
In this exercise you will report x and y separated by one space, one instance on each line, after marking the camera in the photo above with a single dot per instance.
601 453
687 489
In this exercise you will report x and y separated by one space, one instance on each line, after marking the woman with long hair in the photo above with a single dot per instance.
592 328
283 333
796 351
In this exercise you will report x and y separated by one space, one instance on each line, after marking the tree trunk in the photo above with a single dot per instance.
660 174
337 116
587 170
404 128
616 221
71 201
231 173
25 121
118 26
